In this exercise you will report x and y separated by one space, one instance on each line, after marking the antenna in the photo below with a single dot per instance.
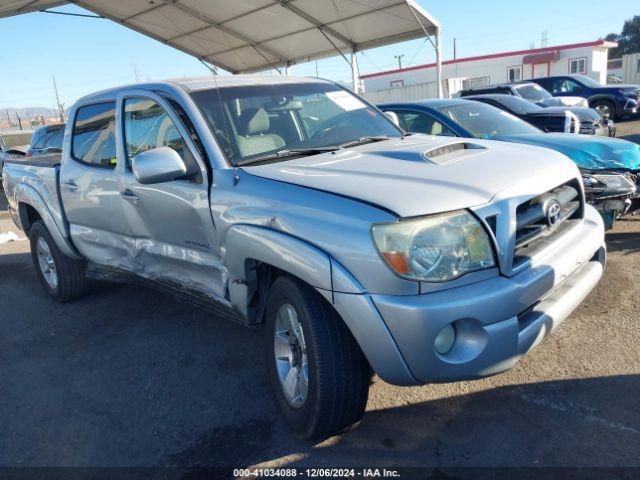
60 106
399 58
544 39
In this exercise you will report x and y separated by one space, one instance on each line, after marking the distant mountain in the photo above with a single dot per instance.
27 112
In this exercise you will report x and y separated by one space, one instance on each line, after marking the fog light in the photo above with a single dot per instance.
445 339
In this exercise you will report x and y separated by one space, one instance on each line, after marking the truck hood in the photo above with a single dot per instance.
589 152
568 101
619 86
584 114
421 174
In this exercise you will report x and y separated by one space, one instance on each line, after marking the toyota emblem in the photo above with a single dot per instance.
553 213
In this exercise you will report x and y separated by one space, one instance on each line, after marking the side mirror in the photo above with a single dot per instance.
393 116
158 165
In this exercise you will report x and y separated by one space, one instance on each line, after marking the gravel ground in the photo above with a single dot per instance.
127 377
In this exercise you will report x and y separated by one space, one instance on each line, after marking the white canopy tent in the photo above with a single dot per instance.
243 36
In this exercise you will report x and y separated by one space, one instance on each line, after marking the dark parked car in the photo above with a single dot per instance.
529 91
46 140
615 101
551 119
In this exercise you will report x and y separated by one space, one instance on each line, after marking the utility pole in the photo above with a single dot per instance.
544 38
8 117
136 73
60 107
399 58
19 121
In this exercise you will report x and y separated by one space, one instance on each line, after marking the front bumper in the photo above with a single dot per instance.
497 320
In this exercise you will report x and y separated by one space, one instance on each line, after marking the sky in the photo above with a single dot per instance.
86 54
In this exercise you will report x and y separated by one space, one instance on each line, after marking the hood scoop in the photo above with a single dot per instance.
452 152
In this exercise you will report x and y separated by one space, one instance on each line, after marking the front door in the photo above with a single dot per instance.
171 222
90 187
539 70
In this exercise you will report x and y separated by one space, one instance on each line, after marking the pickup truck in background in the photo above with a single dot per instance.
47 140
293 204
611 101
529 91
13 144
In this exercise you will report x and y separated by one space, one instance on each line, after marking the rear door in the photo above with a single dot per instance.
90 186
171 222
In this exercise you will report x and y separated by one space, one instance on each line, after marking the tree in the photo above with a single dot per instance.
628 40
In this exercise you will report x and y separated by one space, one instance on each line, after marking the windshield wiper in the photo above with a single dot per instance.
364 140
292 152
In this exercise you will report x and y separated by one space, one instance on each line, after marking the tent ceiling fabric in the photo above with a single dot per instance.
253 35
9 8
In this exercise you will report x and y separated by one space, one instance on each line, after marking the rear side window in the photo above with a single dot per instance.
38 139
94 130
54 138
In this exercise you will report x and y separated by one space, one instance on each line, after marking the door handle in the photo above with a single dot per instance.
130 197
71 185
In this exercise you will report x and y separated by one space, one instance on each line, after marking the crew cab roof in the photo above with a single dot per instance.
204 83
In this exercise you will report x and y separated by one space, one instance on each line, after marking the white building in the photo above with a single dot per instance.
580 58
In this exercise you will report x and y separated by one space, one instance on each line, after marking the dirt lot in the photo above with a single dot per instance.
127 377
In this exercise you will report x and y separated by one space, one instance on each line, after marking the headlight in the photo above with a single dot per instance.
591 183
614 183
435 248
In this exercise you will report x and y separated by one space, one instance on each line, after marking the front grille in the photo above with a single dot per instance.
543 217
589 128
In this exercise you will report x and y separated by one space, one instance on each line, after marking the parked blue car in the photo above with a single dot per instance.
610 166
614 101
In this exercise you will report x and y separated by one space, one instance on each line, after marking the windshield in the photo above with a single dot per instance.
518 105
587 81
256 121
533 92
485 121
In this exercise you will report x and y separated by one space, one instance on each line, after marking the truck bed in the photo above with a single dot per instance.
38 178
47 161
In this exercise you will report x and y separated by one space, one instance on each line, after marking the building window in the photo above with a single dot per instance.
397 83
475 82
514 74
578 66
638 66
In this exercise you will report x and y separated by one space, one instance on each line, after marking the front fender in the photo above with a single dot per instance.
27 195
244 243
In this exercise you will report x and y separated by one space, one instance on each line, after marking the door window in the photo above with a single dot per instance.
94 140
147 125
419 122
565 85
38 140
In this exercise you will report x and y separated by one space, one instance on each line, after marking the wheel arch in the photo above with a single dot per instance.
255 256
604 97
31 207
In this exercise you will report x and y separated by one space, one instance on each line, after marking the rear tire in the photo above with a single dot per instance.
62 277
337 373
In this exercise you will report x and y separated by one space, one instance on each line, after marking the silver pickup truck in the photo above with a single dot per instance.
292 204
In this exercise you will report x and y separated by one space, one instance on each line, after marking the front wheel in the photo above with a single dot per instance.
605 108
318 373
62 277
